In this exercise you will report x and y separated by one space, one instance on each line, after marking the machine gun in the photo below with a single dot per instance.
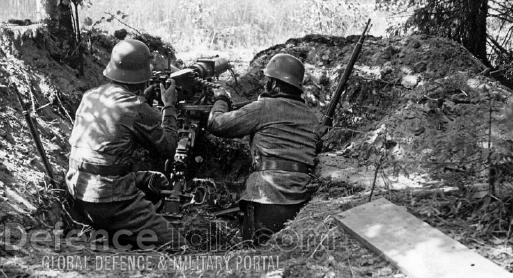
194 86
189 81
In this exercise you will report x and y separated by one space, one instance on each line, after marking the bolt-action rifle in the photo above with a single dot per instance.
328 116
35 135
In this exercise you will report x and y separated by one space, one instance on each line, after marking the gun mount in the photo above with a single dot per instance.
195 98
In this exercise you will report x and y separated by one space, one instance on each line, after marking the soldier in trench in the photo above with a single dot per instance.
284 143
110 122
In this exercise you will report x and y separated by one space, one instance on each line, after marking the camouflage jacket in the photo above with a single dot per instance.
279 127
109 124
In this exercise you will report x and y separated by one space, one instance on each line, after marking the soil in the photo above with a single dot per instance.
417 106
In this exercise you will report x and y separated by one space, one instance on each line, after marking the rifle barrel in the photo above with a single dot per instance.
328 117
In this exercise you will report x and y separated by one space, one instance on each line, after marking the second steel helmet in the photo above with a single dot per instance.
129 62
286 68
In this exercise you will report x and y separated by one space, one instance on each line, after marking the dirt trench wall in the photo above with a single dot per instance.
33 62
419 102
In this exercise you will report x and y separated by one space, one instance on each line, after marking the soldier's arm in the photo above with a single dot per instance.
155 130
237 123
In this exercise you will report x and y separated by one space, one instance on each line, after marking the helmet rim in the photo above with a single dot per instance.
286 68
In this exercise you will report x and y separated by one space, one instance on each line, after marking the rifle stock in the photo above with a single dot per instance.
328 116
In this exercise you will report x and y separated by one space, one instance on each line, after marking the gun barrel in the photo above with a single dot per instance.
207 68
221 65
328 117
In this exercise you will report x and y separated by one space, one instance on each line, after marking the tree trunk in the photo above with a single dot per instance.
60 22
59 18
474 35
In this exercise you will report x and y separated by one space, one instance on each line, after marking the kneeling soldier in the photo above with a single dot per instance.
284 144
110 122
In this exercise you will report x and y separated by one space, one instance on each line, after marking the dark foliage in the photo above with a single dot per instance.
461 20
484 27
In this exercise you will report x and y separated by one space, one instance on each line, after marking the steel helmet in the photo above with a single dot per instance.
286 68
129 62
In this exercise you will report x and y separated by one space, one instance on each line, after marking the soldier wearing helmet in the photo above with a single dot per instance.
283 145
111 121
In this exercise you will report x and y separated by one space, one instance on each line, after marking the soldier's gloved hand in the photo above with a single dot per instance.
222 94
169 95
151 183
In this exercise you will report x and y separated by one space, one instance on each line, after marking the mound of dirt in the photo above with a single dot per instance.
418 104
31 60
